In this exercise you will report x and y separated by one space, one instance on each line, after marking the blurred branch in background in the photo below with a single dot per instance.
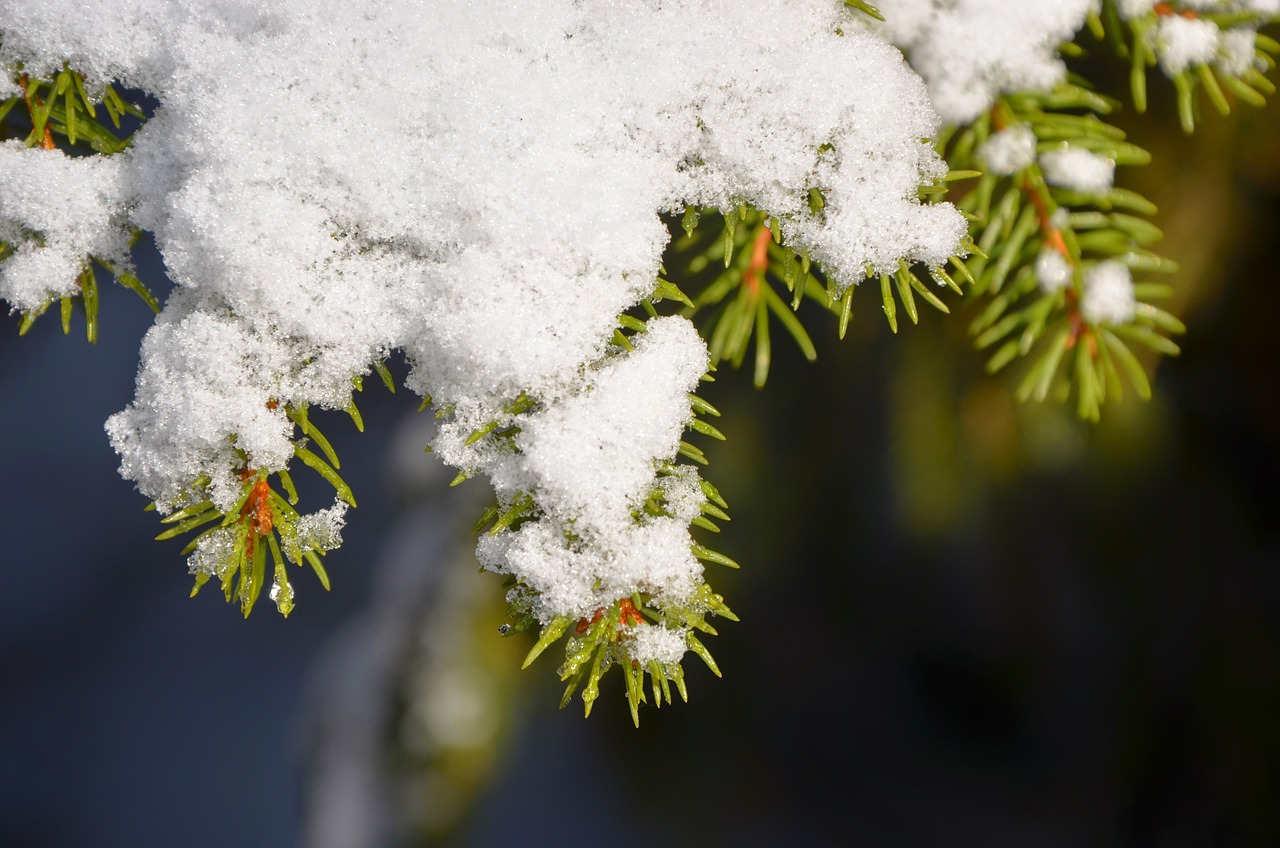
412 702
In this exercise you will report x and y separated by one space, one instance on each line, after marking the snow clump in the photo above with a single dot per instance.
1010 150
1053 271
1183 42
55 211
657 643
1078 169
1108 294
972 51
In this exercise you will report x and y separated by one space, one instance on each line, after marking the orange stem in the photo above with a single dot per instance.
258 505
1167 9
759 260
627 614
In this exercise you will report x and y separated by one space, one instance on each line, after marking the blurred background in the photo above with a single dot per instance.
964 621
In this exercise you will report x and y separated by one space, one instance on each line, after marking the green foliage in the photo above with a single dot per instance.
62 107
1019 217
1137 41
87 282
748 279
595 645
234 544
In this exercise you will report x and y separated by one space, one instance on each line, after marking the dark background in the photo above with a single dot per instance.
963 622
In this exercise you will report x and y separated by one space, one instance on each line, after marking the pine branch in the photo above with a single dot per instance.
1218 54
647 631
235 541
1062 245
60 108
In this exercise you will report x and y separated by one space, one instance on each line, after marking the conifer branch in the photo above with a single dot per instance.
1062 247
300 262
60 107
1218 54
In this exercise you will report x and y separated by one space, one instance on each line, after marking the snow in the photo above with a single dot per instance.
204 378
320 531
971 51
1108 294
656 642
1009 150
54 211
1183 42
589 462
601 443
1053 271
1135 8
328 182
1078 169
1238 50
213 556
1181 39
